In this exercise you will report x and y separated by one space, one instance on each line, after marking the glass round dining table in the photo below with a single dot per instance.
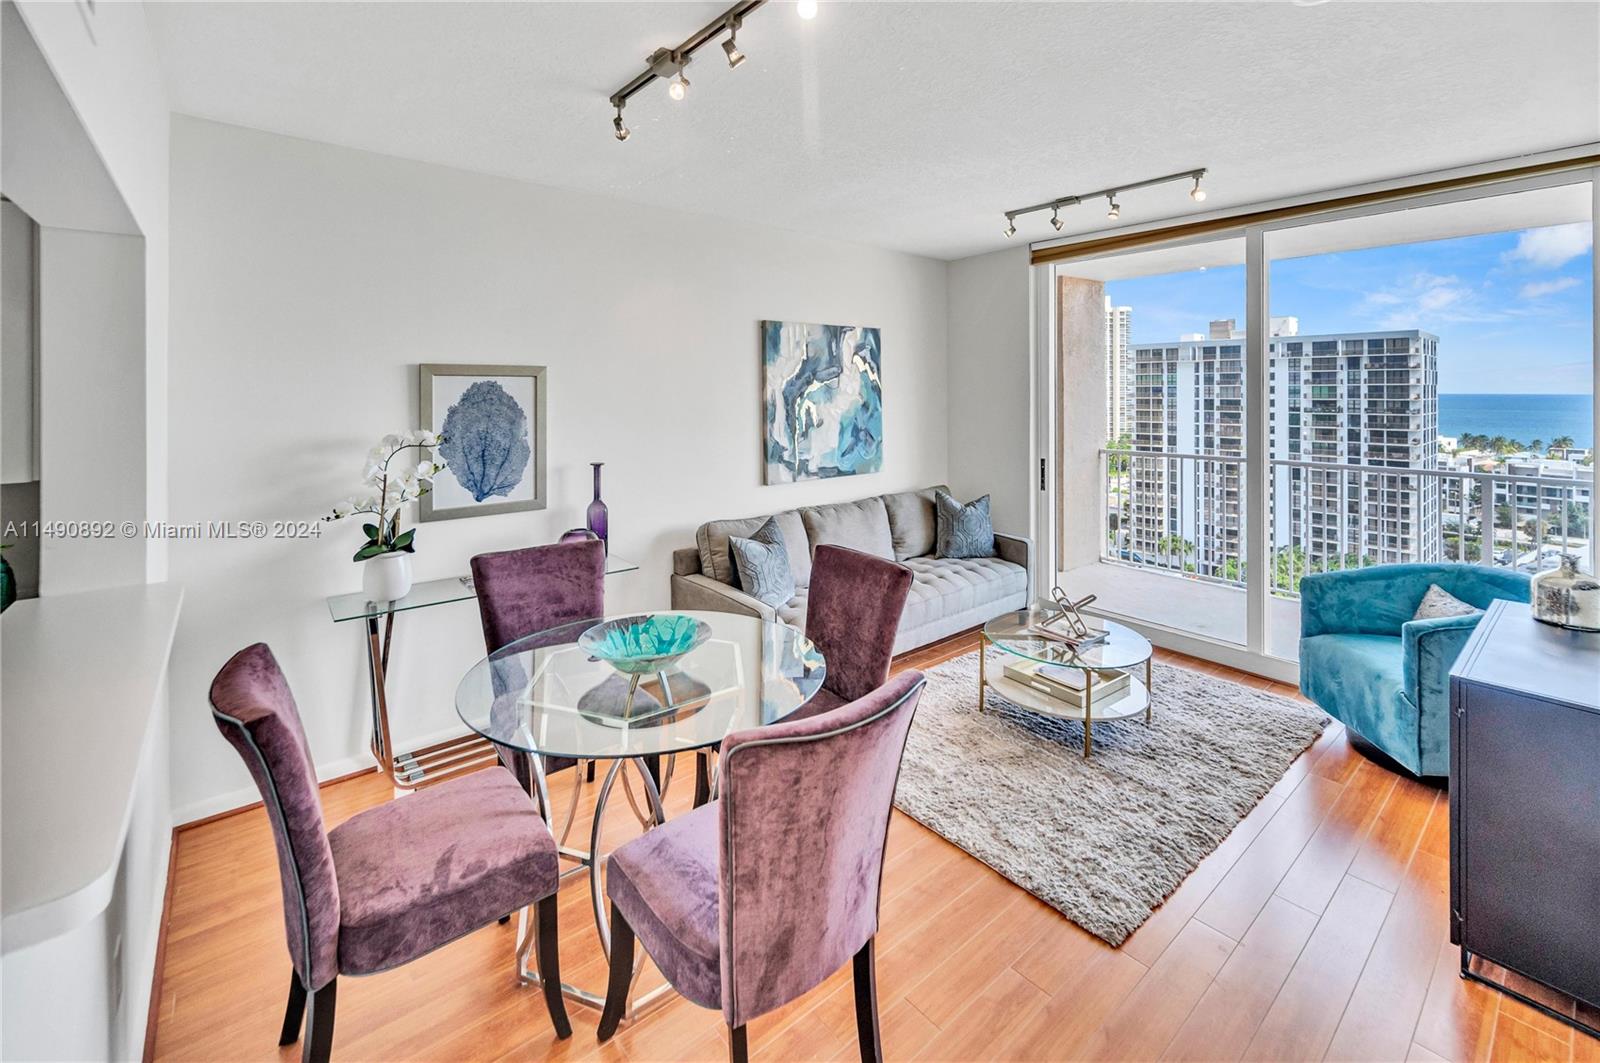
544 696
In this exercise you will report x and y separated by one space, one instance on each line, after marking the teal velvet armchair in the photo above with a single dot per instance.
1381 673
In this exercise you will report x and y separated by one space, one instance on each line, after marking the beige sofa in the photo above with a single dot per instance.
947 594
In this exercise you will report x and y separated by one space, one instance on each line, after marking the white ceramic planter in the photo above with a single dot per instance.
387 576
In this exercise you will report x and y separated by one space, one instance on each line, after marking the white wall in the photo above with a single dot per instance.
990 404
102 58
308 283
91 389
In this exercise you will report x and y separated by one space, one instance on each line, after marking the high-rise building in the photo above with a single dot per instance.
1119 371
1366 403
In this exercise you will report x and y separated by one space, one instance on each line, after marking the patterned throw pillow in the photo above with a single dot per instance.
1440 602
963 530
763 565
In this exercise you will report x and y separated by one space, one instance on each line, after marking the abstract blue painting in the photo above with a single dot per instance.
491 420
823 400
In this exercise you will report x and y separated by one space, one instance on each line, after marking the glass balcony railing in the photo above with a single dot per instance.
1185 515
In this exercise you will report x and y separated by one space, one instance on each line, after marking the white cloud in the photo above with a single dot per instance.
1540 289
1553 246
1424 300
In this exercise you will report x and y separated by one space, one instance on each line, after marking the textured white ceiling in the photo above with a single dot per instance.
910 126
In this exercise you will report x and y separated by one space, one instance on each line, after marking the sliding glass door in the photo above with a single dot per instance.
1430 389
1152 361
1396 383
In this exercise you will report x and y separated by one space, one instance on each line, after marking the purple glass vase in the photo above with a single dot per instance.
597 514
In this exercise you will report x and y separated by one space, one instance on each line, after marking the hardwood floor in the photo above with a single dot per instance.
1316 930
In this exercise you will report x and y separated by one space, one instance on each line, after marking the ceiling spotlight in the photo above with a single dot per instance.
668 64
1115 212
1055 218
1011 227
1197 193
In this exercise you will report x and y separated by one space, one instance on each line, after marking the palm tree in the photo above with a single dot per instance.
1117 462
1536 445
1561 443
1175 545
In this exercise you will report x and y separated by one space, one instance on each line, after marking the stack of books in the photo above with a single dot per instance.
1069 685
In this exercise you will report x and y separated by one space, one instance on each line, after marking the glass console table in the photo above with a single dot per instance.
414 769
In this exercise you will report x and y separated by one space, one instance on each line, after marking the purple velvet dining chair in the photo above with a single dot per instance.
389 884
751 900
852 616
533 589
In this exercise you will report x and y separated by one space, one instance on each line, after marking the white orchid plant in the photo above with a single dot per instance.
389 482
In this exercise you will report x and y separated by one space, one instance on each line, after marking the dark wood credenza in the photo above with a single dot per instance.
1525 806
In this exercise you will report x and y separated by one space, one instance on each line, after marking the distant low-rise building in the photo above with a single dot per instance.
1545 489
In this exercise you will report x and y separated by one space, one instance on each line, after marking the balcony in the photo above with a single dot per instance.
1369 514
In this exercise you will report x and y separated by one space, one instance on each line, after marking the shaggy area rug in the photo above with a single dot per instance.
1103 840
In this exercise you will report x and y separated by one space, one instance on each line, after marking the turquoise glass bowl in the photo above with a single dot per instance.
635 645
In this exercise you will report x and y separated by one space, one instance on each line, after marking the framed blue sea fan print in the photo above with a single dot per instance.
823 408
491 421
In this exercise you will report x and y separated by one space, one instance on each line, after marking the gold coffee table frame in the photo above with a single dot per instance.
1123 651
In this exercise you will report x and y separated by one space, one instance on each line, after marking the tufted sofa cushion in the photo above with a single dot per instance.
942 587
793 612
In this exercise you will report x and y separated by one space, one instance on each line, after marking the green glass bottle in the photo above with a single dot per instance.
8 583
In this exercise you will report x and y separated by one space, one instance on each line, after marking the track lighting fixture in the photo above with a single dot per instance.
806 9
1114 209
667 64
730 47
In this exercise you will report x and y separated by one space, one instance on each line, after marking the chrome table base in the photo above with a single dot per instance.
418 768
591 862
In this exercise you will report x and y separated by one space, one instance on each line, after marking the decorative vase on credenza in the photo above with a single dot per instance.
597 517
1566 597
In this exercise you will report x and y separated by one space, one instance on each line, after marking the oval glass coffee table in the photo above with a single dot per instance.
1015 676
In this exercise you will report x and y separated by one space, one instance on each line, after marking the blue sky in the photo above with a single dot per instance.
1512 310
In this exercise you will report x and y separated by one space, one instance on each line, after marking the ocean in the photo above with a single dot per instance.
1519 417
